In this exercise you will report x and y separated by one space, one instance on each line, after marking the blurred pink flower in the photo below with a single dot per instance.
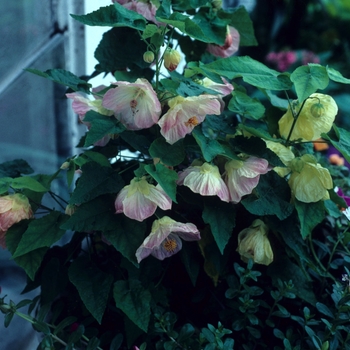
230 46
205 180
139 200
242 176
164 239
13 208
283 60
185 113
135 105
309 57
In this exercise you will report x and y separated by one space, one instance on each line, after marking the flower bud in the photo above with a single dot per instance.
65 166
70 209
148 56
254 244
171 59
217 4
317 110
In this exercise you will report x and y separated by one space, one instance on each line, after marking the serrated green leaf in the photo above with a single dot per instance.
251 71
310 215
114 15
341 141
169 154
31 261
92 284
149 31
270 197
134 300
246 106
165 177
63 77
15 168
308 79
89 156
101 125
337 76
41 233
95 181
29 183
222 219
126 237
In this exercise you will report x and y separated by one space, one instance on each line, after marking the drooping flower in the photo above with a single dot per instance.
242 176
165 238
140 199
145 8
309 181
254 244
13 208
172 58
223 89
185 113
205 180
230 46
316 117
135 105
81 105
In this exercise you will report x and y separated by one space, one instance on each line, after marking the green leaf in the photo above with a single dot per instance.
95 181
341 141
101 125
63 77
270 197
251 71
310 215
120 48
63 324
41 232
165 177
336 76
92 284
221 218
324 309
136 141
114 15
131 297
191 261
149 31
126 237
29 183
246 106
15 168
89 156
308 79
210 148
169 154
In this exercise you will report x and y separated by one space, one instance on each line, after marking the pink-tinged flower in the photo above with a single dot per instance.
139 200
145 8
135 105
185 113
230 46
242 176
205 180
13 208
309 57
223 89
164 239
283 60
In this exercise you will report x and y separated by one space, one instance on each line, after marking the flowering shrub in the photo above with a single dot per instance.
224 228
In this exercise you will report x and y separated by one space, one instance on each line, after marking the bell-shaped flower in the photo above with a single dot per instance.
135 105
140 199
230 46
13 208
309 181
254 244
172 58
165 238
316 117
242 176
185 113
205 180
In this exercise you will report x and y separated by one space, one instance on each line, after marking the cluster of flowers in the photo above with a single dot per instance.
283 60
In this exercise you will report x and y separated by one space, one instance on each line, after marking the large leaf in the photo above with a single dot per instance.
41 232
221 218
15 168
246 106
101 125
136 141
63 77
134 300
165 177
251 71
340 140
270 197
114 15
120 48
95 181
29 183
337 76
308 79
169 154
126 237
310 215
92 284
